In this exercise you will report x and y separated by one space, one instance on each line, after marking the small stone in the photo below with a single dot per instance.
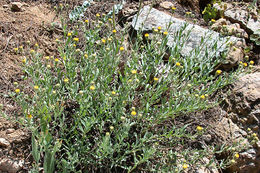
166 5
8 131
4 142
10 166
16 6
5 6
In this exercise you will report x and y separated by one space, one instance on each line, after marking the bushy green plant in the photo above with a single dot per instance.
102 106
209 13
255 37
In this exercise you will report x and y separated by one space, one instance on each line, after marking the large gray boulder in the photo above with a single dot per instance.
214 44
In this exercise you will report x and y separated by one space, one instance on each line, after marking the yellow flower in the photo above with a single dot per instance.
146 35
233 161
53 92
114 31
110 20
92 87
32 51
69 34
81 92
133 113
48 66
199 128
15 83
202 96
56 60
122 48
219 72
173 8
86 55
17 90
213 20
155 79
165 33
36 87
252 62
98 15
24 60
111 128
86 21
20 47
36 45
46 57
133 71
188 13
103 41
178 64
185 166
159 28
76 39
66 80
16 49
109 39
113 93
155 30
74 45
245 64
29 116
236 155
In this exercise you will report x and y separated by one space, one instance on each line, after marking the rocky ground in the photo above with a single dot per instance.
237 119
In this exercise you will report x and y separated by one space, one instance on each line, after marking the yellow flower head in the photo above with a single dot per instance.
213 20
178 64
202 96
32 51
86 21
69 34
252 62
86 55
66 80
146 35
110 20
17 90
36 87
76 39
16 49
199 128
56 60
133 113
107 133
98 15
173 8
74 45
92 87
29 116
236 155
165 33
103 41
81 92
159 28
219 72
111 128
155 79
155 30
133 71
24 60
114 31
121 48
185 166
245 64
36 45
113 93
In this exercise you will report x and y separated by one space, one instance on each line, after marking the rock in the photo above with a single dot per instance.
4 142
239 13
166 4
153 18
212 168
9 131
246 96
16 6
10 166
5 6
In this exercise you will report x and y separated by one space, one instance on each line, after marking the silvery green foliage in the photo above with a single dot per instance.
79 10
117 8
256 37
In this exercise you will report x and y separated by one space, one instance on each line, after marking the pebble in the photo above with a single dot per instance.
10 166
4 142
9 131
